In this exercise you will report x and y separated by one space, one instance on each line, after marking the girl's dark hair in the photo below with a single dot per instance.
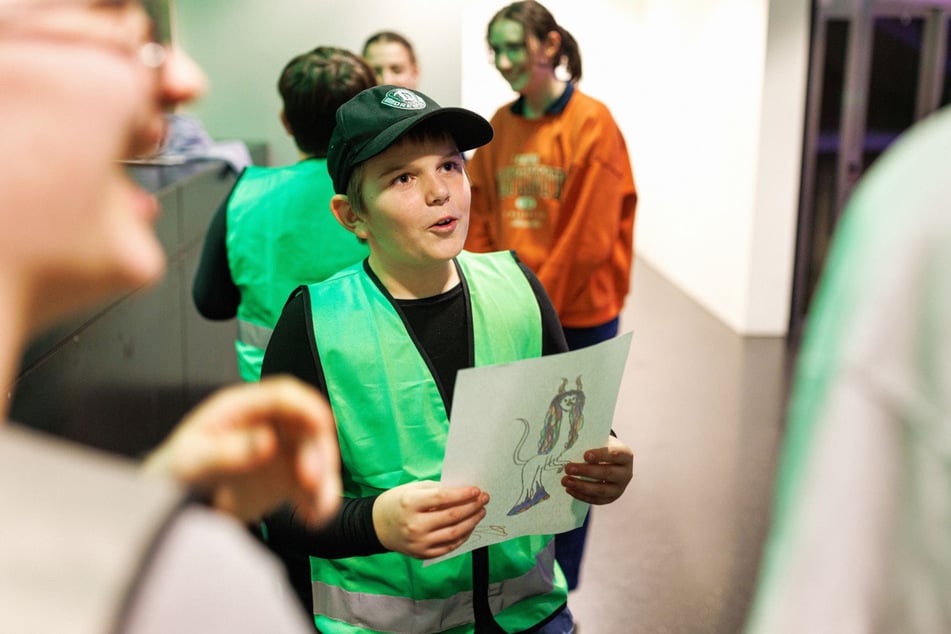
390 36
313 85
538 21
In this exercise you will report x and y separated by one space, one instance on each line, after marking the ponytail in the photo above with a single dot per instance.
569 55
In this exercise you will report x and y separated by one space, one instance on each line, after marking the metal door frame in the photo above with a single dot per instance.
860 16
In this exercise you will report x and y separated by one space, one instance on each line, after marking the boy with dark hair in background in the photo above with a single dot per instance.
275 231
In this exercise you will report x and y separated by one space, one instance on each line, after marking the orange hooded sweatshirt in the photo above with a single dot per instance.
559 190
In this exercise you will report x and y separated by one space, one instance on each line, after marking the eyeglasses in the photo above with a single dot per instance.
85 26
153 53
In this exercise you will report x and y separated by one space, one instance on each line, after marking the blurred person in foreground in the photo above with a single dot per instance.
861 531
91 543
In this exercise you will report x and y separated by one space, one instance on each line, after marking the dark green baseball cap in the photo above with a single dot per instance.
373 119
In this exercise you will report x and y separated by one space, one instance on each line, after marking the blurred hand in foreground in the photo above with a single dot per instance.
255 446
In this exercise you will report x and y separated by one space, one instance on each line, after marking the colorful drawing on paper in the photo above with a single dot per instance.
566 407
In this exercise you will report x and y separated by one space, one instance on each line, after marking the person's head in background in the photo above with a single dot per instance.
527 45
392 58
85 84
312 86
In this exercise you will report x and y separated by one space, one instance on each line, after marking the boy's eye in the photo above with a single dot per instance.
402 179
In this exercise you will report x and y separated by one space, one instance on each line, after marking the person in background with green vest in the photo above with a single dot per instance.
384 340
275 231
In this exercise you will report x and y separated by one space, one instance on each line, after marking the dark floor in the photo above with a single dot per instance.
702 408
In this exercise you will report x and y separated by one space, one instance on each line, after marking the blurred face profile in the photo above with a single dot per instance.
519 58
392 64
85 84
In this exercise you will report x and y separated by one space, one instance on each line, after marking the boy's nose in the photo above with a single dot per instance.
439 199
438 193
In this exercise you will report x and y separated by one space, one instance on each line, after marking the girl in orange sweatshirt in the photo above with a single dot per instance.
556 186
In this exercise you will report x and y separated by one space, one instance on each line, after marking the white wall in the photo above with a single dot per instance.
698 133
709 94
244 44
712 111
773 241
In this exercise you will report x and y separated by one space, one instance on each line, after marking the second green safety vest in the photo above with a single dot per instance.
392 426
281 234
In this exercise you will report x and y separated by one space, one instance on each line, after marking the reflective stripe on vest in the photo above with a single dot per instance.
392 425
387 613
253 334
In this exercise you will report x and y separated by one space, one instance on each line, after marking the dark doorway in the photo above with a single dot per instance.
876 67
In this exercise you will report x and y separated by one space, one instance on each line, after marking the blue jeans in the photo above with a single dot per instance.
564 623
569 546
584 337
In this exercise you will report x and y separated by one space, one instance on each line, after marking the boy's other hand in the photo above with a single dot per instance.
604 474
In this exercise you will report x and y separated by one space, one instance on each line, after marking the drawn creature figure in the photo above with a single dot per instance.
570 402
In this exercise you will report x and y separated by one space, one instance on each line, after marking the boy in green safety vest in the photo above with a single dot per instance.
384 340
275 231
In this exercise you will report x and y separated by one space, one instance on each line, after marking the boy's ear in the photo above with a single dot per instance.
347 217
286 123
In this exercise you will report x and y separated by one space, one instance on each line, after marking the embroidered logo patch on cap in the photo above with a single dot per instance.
375 118
403 99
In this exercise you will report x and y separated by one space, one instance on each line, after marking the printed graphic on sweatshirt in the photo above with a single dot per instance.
527 181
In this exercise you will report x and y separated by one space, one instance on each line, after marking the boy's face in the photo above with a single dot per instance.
417 198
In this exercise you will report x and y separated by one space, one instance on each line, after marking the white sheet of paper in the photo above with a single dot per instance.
497 439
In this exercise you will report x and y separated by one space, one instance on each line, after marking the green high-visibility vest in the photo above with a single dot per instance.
281 234
392 426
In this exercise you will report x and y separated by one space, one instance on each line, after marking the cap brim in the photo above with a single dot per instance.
468 129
